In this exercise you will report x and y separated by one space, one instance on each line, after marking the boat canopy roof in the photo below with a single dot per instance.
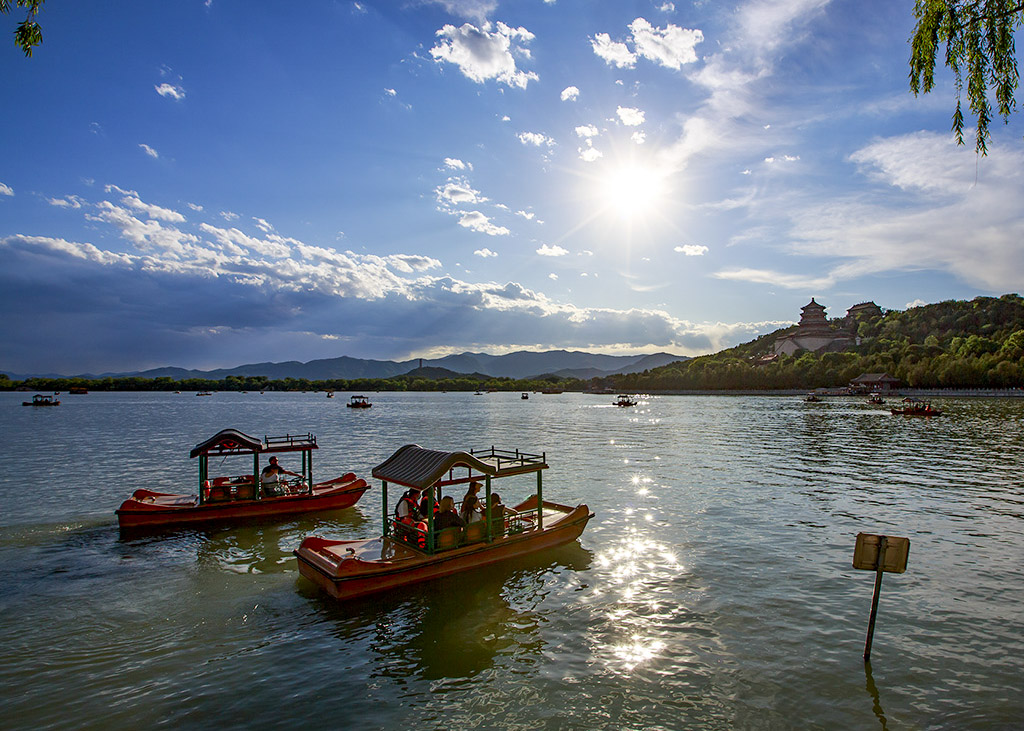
419 468
232 441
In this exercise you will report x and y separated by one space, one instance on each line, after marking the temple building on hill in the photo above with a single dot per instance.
815 334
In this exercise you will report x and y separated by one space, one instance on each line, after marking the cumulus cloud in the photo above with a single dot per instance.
453 163
586 130
630 116
68 201
6 189
589 153
670 46
614 53
485 253
457 191
570 94
536 139
692 249
555 250
170 90
477 221
486 52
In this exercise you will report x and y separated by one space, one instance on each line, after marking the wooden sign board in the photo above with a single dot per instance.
865 553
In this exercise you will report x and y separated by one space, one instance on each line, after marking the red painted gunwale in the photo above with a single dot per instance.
146 508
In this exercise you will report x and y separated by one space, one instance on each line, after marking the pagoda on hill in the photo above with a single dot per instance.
813 333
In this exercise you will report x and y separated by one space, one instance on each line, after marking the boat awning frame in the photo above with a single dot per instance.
232 441
419 468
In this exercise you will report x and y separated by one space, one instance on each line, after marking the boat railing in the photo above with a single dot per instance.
504 459
289 441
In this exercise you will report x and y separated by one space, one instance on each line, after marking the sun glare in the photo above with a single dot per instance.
632 190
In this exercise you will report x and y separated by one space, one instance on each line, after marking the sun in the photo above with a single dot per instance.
632 190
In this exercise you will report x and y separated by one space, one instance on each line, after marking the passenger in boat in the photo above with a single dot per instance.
272 475
472 491
498 514
472 509
407 511
425 503
447 517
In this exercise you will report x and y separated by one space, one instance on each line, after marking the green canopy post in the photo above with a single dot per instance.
384 511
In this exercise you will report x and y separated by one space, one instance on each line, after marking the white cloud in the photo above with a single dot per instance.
6 189
590 153
915 303
68 201
478 10
614 53
170 90
194 206
692 249
262 225
152 211
555 250
780 279
553 277
781 158
639 137
483 54
535 138
630 116
485 253
670 46
457 191
586 130
476 221
390 92
149 150
529 216
453 163
570 94
229 216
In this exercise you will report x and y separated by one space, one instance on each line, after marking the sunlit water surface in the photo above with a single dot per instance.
712 590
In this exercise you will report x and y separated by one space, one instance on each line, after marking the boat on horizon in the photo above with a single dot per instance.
410 552
916 407
625 400
41 399
244 496
359 402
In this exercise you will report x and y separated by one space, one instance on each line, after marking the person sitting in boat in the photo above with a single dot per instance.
271 476
425 503
447 517
472 510
407 511
472 491
498 514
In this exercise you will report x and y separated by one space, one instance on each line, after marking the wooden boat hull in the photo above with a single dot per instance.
340 569
146 508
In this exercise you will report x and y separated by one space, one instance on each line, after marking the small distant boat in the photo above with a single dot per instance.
812 398
242 497
204 393
330 394
625 400
411 552
42 400
479 393
79 390
876 398
916 407
359 402
525 396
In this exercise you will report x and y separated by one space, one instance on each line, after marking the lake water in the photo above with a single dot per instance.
713 589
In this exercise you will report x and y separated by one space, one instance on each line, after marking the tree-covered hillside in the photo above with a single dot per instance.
954 344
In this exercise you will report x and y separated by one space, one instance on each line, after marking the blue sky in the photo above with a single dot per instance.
206 184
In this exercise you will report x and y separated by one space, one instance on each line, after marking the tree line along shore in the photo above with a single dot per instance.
959 345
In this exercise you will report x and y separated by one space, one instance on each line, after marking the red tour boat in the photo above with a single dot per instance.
409 553
244 496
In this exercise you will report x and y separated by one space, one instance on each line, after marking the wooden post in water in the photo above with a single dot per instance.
879 554
882 544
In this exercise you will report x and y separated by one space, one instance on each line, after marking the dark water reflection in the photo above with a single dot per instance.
712 590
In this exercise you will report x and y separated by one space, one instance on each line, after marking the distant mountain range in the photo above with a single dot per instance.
521 364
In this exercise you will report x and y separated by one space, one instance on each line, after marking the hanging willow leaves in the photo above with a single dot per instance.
979 40
29 33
